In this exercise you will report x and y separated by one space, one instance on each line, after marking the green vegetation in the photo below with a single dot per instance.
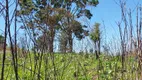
70 67
51 39
95 36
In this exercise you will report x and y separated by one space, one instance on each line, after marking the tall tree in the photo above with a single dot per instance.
95 36
77 11
63 42
65 38
40 16
47 15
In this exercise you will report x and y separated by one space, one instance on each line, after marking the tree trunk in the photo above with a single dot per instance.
99 46
64 45
70 42
96 51
63 42
97 55
51 40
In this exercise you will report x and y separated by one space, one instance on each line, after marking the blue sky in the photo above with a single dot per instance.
107 11
110 12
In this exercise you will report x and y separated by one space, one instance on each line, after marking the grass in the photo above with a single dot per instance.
71 67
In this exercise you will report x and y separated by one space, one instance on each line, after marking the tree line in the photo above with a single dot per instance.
43 20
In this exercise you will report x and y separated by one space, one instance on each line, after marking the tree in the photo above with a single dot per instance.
42 17
66 41
63 42
47 15
95 36
1 38
43 43
73 27
1 42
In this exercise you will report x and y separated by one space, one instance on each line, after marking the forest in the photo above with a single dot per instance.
65 40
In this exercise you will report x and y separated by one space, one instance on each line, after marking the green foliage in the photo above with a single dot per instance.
71 66
51 12
1 38
95 35
78 29
50 16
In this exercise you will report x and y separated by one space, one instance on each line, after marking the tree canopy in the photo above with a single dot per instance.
50 16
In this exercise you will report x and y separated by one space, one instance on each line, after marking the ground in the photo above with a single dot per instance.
71 66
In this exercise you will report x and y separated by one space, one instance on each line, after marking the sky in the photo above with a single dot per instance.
107 13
